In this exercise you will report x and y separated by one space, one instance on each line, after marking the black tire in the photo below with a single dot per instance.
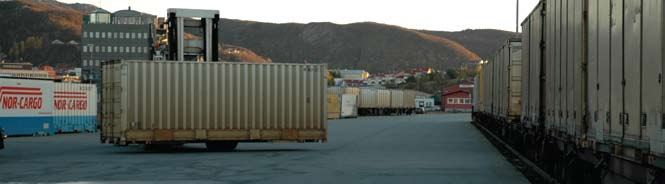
222 146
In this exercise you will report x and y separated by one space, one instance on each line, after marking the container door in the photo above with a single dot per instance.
616 69
579 79
632 66
526 33
592 68
603 86
652 67
535 62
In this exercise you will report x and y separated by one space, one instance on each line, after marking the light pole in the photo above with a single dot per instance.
517 18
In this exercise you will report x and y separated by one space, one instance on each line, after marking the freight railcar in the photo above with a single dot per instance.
592 93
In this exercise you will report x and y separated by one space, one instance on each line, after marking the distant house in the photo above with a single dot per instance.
353 83
353 74
458 98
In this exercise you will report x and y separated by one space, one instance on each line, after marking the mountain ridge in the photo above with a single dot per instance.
363 45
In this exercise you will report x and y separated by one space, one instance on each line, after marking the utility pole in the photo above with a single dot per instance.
517 18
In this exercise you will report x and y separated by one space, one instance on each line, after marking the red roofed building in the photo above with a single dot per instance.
457 98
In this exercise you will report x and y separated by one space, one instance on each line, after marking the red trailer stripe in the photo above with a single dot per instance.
22 93
70 93
19 88
70 97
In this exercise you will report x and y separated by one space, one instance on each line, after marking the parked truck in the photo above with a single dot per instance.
216 103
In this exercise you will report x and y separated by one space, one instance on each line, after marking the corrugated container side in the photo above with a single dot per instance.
603 86
352 90
396 98
515 81
526 68
592 84
186 101
633 73
535 65
480 85
383 98
409 98
368 98
475 92
579 77
652 100
616 69
75 107
550 82
349 106
503 88
496 86
26 106
334 106
336 90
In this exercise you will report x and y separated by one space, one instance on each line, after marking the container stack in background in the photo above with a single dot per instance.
356 102
342 102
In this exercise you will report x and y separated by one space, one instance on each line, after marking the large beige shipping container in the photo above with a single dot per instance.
336 90
148 102
352 90
383 98
367 98
507 97
334 106
532 54
396 98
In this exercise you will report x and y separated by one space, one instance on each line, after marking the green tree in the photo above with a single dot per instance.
452 74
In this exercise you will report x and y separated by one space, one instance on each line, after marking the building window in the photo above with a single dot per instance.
122 49
122 35
127 35
115 49
133 36
467 101
96 34
103 49
97 63
96 48
85 62
85 48
109 49
145 35
85 34
115 35
145 50
103 34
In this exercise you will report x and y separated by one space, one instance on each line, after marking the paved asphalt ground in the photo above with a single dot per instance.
433 148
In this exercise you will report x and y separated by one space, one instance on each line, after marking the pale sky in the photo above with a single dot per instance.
442 15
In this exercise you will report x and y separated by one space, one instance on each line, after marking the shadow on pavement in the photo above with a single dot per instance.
169 149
